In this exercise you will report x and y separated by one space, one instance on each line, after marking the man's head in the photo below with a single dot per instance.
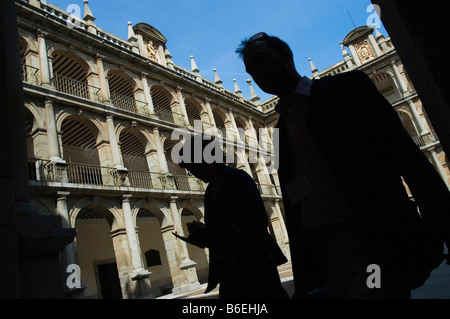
200 155
270 62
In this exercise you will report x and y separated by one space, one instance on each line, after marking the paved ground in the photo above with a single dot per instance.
436 287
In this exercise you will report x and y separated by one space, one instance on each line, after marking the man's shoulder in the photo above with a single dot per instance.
353 76
342 83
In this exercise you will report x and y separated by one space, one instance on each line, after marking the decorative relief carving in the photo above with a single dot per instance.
365 51
152 52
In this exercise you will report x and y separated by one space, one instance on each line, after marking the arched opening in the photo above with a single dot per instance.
122 91
151 241
36 169
29 121
70 75
193 110
79 143
161 105
30 73
386 85
408 124
96 255
133 151
81 153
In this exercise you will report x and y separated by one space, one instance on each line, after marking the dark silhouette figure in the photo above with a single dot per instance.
343 155
243 255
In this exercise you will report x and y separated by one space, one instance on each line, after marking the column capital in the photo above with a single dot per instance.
62 194
99 57
126 197
48 99
173 199
41 34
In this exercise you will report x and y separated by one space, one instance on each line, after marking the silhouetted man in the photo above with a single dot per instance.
343 153
243 256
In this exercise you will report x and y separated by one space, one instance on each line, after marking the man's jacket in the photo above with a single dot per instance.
369 152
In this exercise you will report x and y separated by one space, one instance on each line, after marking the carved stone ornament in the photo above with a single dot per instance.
365 51
152 53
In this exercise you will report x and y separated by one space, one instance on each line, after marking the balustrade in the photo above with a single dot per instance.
77 88
393 96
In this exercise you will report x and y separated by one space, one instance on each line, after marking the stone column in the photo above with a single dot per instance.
282 223
115 152
399 78
120 173
277 226
182 106
136 261
189 280
54 150
68 255
57 166
233 122
417 119
43 59
147 94
160 150
102 79
437 164
210 116
61 210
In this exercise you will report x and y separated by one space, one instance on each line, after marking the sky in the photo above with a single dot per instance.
211 30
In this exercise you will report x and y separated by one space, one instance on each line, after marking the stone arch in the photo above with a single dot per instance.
158 208
83 138
29 56
86 61
29 38
38 119
384 80
407 121
164 103
94 123
115 220
194 110
142 133
68 64
195 206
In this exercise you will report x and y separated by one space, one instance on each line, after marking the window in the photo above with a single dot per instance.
152 258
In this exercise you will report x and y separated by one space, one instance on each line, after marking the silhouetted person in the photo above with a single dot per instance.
343 153
243 257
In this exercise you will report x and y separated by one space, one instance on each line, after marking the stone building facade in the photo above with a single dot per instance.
100 113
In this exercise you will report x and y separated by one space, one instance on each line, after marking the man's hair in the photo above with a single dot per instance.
272 41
